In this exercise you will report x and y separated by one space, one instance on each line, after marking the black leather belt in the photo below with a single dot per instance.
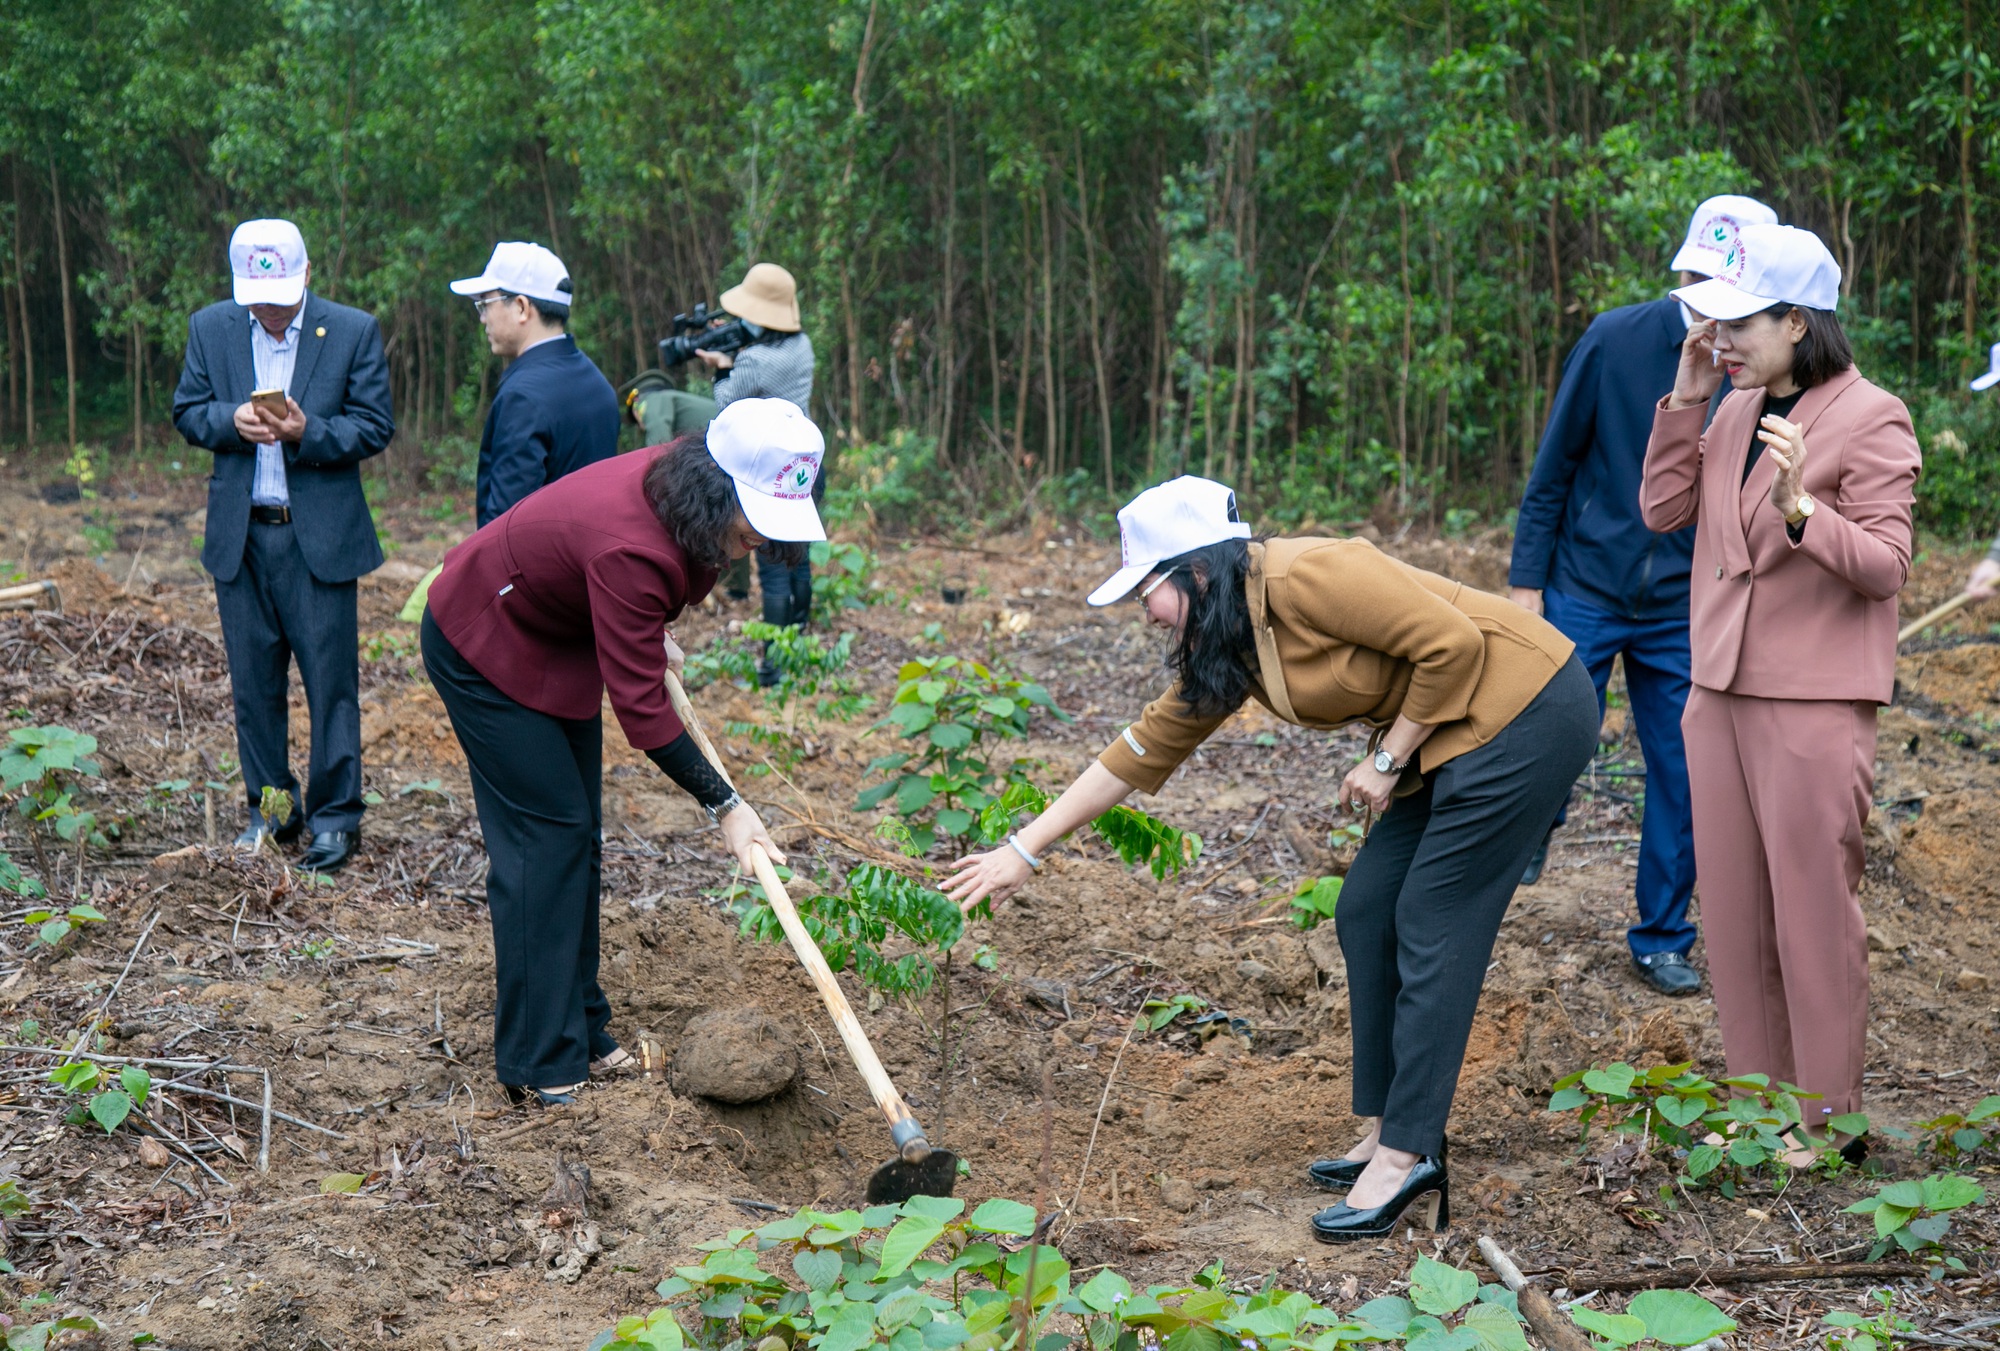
271 515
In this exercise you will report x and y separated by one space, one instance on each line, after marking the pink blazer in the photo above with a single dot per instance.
1773 619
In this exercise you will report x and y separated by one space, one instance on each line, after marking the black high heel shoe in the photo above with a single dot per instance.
1337 1175
1428 1187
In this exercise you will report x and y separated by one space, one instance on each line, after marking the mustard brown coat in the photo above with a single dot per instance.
1362 637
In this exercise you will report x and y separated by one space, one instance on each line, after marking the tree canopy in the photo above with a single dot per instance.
1332 250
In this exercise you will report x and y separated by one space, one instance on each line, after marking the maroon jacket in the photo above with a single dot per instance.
569 593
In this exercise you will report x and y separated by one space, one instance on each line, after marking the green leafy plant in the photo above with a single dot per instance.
955 710
17 1336
853 927
108 1106
42 766
1157 1012
14 882
813 683
1755 1124
1954 1136
52 926
926 1276
1315 901
1879 1332
1915 1215
843 576
1669 1317
1140 839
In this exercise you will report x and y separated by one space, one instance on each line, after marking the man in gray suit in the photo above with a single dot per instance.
289 531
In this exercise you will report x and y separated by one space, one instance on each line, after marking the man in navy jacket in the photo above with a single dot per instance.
554 411
1585 560
289 531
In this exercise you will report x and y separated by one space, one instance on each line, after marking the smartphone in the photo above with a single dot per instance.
271 401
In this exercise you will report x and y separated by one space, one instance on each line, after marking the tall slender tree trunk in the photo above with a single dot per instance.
1096 316
947 325
1968 230
1024 363
13 341
138 387
1051 406
1403 373
27 328
68 303
855 433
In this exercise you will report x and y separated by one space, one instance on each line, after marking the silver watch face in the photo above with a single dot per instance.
1384 762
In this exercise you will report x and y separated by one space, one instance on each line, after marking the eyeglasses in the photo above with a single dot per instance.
479 306
1145 592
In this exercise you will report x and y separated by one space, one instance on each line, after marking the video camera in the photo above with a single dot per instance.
692 331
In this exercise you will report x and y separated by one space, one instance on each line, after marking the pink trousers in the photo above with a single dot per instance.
1781 789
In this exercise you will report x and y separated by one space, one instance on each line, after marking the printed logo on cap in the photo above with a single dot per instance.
795 480
266 261
1722 236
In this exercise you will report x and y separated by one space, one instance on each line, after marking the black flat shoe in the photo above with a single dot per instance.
253 836
331 850
1428 1188
1669 973
547 1097
1537 861
1337 1175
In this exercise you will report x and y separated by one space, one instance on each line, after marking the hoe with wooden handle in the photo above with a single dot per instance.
919 1169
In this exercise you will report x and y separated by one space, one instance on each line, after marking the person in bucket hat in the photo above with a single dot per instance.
1800 492
1483 718
568 595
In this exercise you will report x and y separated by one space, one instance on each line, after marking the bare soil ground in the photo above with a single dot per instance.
368 999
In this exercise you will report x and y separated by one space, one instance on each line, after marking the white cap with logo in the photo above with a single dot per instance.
1992 377
267 261
1771 265
1167 521
773 451
1712 232
521 269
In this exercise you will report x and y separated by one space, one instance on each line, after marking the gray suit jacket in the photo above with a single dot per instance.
341 380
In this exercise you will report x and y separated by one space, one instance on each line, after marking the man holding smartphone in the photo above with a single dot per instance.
291 393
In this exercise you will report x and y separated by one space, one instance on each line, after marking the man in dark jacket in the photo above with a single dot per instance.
554 411
288 531
1584 559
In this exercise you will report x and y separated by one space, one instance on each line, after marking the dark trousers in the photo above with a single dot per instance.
1422 904
538 782
1657 680
274 611
788 600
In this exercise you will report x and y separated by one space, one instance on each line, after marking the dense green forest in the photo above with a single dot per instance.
1334 250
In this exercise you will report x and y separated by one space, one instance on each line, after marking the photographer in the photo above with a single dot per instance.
779 367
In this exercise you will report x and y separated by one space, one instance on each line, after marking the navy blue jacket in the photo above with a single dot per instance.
1579 530
341 381
553 414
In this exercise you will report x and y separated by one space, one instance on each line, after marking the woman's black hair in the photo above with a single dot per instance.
1214 655
1823 352
696 501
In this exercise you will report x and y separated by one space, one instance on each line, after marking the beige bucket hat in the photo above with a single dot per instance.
767 296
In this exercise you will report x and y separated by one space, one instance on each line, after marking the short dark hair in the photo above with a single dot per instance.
1823 352
695 499
551 312
1211 659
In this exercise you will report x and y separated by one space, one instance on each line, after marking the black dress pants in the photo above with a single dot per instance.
273 612
1423 901
537 781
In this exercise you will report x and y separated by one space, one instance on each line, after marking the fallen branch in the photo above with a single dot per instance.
1550 1324
1680 1278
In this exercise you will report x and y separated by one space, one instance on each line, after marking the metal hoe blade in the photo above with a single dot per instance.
898 1180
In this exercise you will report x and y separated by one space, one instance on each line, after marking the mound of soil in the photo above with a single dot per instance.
735 1056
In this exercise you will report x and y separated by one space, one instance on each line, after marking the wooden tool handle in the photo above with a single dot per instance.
1950 607
903 1126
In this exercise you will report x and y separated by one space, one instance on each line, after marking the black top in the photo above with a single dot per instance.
553 413
1773 407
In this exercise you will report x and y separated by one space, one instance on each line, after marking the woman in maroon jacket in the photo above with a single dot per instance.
564 596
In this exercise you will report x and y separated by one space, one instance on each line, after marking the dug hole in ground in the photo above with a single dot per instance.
368 998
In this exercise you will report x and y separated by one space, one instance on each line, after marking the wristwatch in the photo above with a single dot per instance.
1802 510
724 807
1385 763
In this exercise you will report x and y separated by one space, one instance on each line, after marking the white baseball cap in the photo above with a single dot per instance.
1167 521
524 270
267 259
1771 265
1712 232
1992 377
773 451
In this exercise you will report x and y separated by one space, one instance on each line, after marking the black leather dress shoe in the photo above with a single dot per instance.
1668 972
547 1097
259 830
330 851
1337 1175
1537 860
1427 1189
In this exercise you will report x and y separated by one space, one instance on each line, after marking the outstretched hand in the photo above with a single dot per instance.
995 874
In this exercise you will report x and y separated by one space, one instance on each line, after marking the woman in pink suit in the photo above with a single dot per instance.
1801 492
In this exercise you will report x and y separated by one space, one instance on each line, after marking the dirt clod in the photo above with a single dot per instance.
1969 979
1177 1194
735 1055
